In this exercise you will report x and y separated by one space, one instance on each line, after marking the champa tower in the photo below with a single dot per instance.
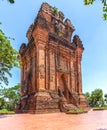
51 78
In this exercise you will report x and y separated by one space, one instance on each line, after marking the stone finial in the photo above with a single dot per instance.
61 16
68 23
46 7
29 32
22 48
77 41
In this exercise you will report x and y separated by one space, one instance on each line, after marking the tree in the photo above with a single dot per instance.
9 97
2 103
8 58
90 2
95 98
88 96
105 96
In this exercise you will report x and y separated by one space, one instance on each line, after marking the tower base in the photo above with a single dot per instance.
49 102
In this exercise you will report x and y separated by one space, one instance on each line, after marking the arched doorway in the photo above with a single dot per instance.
63 88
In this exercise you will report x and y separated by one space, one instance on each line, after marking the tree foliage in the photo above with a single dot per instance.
9 97
11 1
90 2
105 98
95 99
8 58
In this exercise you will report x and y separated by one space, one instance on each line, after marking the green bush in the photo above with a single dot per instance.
5 111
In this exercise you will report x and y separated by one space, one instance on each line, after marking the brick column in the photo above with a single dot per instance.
47 67
41 67
72 76
79 78
33 75
40 36
22 77
22 73
79 74
52 70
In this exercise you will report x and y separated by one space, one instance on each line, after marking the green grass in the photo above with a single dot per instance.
99 108
76 111
5 111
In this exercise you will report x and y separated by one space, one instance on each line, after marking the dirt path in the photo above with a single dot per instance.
93 120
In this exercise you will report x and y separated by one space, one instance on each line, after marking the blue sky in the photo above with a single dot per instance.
16 19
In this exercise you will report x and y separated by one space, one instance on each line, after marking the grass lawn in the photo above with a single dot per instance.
99 108
5 111
76 111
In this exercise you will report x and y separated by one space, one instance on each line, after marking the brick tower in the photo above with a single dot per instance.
51 79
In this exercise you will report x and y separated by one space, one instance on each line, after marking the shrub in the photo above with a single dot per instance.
5 111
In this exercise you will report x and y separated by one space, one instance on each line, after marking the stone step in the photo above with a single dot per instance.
67 107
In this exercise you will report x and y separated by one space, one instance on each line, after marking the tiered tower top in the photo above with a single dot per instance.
53 20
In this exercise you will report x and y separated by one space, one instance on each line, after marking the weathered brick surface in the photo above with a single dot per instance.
51 65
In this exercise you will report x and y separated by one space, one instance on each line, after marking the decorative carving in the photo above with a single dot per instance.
62 41
41 70
59 28
24 88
